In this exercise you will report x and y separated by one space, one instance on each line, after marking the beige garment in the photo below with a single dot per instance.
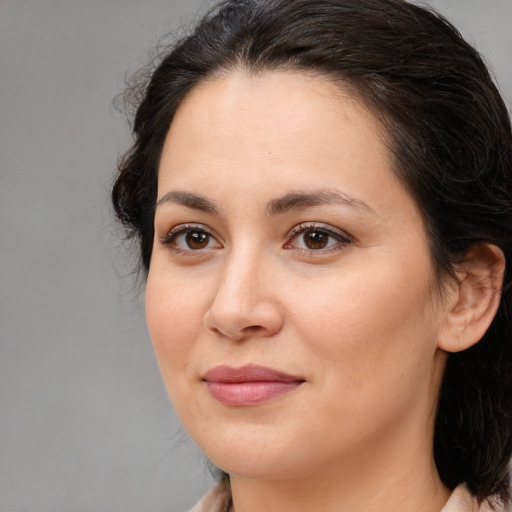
215 500
461 500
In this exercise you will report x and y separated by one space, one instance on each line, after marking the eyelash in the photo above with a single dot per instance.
341 238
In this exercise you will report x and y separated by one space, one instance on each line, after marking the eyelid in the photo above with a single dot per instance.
327 228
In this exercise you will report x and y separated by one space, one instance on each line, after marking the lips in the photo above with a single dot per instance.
248 385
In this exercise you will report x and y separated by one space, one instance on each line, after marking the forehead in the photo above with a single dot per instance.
277 123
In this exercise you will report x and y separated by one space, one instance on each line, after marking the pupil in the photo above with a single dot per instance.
315 239
197 240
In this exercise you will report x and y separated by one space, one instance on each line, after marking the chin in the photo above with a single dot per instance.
256 465
253 451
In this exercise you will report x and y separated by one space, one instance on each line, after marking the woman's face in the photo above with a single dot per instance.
290 296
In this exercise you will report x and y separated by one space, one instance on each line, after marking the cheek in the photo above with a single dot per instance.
174 315
368 326
371 348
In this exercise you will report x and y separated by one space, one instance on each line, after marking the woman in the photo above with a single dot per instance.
321 191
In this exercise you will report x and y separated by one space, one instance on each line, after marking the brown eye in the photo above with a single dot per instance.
197 239
188 239
315 239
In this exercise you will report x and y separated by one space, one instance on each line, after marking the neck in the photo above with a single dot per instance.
394 475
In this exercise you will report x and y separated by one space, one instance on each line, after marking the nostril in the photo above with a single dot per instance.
252 329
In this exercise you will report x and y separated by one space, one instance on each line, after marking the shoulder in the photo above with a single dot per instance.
215 500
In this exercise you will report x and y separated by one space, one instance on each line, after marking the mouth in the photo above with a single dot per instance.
248 385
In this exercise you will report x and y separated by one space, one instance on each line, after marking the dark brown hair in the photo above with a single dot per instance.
449 132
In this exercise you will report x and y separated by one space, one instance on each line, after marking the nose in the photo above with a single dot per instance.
246 302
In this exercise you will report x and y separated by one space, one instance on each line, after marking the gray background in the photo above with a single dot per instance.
85 424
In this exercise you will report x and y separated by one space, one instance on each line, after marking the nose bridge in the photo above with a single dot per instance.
244 304
241 276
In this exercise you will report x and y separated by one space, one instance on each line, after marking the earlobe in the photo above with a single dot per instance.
474 300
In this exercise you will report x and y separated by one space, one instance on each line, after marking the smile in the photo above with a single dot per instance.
248 385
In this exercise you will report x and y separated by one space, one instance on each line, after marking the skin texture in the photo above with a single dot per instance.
360 321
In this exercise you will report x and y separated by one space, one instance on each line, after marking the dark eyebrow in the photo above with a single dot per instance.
302 200
189 200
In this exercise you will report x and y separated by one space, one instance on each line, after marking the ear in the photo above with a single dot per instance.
472 302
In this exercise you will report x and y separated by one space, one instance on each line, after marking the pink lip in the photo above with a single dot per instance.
248 385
